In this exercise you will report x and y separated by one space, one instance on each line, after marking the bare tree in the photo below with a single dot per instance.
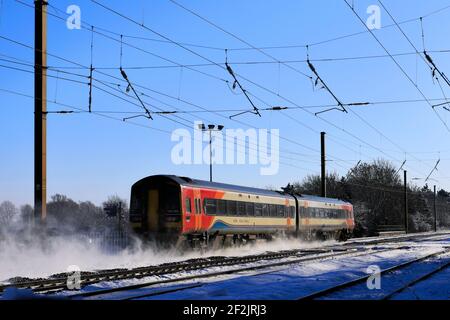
7 212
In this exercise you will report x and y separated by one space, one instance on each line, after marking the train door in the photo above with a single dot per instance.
198 210
152 210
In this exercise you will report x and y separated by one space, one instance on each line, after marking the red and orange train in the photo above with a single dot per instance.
196 211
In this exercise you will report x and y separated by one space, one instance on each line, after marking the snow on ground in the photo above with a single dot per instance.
436 287
35 260
286 282
299 280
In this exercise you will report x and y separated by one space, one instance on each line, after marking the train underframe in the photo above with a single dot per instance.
217 240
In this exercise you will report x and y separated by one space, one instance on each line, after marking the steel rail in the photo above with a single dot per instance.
347 284
168 268
60 283
417 280
350 252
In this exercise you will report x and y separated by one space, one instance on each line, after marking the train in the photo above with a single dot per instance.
182 210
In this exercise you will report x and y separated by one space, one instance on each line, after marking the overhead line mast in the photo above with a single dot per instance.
40 109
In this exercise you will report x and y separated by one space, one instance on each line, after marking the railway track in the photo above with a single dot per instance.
318 257
355 286
394 239
60 282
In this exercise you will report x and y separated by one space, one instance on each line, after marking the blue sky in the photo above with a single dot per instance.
91 157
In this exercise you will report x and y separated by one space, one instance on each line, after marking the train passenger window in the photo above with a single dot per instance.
265 210
231 207
250 209
258 209
292 215
241 208
210 206
273 210
304 212
188 205
221 207
280 211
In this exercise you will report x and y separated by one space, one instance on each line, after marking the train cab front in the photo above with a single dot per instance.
155 209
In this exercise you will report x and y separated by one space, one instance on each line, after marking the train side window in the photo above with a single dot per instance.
221 207
188 205
265 210
273 210
280 210
231 207
210 206
250 209
241 208
292 213
304 212
258 209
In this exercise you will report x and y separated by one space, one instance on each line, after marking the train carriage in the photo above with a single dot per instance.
180 208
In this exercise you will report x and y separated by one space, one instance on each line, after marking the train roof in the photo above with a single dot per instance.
322 199
186 181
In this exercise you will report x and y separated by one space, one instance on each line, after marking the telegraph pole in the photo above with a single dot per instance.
405 201
40 109
323 189
435 212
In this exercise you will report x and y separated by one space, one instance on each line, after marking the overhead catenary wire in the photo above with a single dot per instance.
162 113
195 53
399 66
208 59
251 62
81 110
199 106
293 46
238 38
125 17
427 56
